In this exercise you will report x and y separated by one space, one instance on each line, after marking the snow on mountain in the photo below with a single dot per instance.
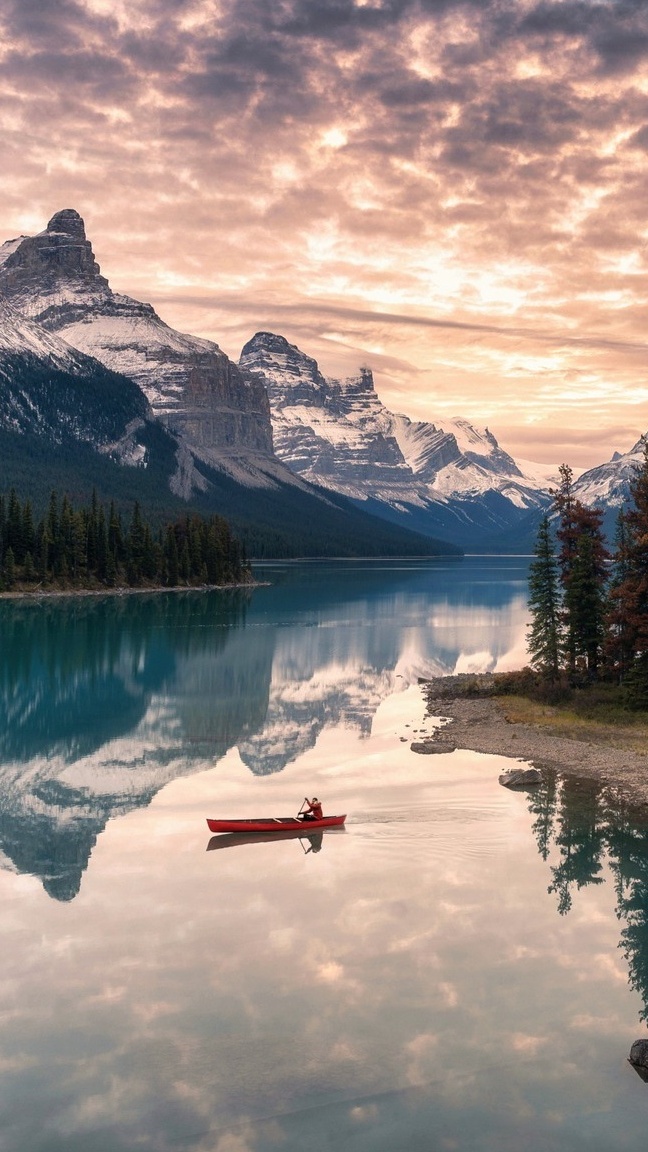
21 336
49 389
454 481
191 385
608 485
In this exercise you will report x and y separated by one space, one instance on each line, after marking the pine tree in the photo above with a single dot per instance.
14 529
28 534
619 639
632 592
585 591
544 637
582 562
29 572
172 559
9 570
101 545
43 548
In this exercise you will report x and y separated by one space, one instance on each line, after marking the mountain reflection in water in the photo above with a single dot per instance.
105 700
461 969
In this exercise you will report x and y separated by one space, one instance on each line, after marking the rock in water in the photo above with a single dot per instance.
639 1054
429 747
520 778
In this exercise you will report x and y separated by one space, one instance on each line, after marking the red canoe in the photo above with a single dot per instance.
280 824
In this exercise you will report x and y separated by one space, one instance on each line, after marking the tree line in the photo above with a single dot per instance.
589 605
91 547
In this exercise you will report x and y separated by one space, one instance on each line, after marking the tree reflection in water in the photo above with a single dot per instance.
585 823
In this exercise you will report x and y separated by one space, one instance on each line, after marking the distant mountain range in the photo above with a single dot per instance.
455 482
98 391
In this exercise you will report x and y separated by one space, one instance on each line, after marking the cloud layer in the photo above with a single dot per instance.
452 192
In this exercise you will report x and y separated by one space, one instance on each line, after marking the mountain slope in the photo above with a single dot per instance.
59 407
608 485
70 422
190 383
455 482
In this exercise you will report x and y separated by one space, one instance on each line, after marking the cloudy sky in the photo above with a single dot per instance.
451 192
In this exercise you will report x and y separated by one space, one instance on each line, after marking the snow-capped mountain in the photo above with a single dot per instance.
608 485
191 385
83 365
454 481
50 390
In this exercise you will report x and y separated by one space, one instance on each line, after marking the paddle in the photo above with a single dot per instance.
305 801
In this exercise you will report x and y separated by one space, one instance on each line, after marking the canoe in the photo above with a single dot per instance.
279 824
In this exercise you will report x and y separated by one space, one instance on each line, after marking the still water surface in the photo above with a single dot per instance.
461 968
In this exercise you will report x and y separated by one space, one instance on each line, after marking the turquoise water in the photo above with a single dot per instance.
461 968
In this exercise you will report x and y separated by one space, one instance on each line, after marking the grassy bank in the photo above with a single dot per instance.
596 713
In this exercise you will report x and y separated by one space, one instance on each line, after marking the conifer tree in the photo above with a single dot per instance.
14 529
584 595
582 563
28 535
632 593
619 638
101 544
544 639
9 569
172 559
135 547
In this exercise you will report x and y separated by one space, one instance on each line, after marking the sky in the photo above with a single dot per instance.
452 193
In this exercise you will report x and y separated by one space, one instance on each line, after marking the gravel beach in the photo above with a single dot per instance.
479 724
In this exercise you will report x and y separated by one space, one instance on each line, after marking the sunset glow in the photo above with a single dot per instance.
452 192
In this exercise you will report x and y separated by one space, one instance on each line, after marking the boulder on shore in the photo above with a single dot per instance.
520 777
428 747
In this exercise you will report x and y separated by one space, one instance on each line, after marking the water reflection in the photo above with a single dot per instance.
104 701
310 843
78 678
579 826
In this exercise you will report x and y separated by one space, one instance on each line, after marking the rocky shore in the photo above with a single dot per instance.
477 722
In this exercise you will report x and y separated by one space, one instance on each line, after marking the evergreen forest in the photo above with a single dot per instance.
589 605
92 548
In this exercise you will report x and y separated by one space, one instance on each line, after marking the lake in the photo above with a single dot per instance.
460 968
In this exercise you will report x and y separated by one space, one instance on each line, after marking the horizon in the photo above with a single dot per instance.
449 193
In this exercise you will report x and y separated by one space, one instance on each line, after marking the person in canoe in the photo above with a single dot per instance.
313 811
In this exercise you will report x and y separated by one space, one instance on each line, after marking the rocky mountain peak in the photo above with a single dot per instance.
288 373
192 386
69 223
53 277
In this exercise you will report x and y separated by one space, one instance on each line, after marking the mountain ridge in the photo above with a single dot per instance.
272 423
63 332
456 481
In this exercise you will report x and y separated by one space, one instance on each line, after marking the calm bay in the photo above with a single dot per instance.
461 967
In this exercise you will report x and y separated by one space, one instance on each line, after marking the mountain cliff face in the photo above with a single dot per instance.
191 385
454 481
68 421
50 390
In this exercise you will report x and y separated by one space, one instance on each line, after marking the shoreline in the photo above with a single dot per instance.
124 590
477 723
